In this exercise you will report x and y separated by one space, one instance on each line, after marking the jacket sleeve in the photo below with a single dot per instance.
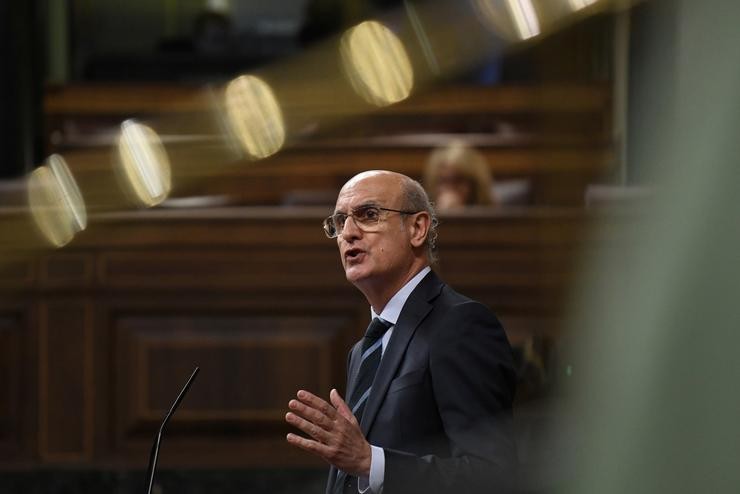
473 380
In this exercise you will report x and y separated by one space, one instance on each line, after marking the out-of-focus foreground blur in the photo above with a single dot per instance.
166 167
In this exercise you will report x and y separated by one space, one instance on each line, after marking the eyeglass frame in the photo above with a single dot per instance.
358 224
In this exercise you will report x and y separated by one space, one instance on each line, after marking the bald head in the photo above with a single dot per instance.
411 193
406 194
383 179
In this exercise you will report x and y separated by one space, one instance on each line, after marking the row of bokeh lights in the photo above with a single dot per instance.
374 61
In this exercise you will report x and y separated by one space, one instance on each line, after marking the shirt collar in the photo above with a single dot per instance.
392 309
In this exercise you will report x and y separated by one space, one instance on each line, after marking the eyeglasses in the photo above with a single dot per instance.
367 218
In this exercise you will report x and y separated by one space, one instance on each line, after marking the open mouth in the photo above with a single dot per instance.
353 255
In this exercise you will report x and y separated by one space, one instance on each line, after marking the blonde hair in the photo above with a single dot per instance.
469 162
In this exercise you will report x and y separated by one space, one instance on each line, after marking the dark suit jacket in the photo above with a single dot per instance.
440 405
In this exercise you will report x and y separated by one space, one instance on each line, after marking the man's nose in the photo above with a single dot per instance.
352 231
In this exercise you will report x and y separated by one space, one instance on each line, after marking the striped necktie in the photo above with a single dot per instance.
372 350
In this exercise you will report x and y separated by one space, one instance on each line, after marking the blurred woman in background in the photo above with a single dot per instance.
457 175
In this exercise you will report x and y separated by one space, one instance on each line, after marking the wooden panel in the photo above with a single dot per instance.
509 99
123 100
66 380
251 366
519 262
67 269
220 269
16 272
11 386
209 229
130 99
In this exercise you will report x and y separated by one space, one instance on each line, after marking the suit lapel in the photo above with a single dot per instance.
352 369
415 309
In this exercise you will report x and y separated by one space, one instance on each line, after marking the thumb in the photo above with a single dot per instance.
341 406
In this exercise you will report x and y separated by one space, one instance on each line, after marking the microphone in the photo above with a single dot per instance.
158 438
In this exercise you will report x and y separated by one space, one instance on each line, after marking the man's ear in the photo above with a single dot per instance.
420 228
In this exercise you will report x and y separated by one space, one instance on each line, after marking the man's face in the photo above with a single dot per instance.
383 255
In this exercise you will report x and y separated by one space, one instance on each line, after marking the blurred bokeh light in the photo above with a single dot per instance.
255 116
143 164
376 64
55 201
525 18
581 4
510 19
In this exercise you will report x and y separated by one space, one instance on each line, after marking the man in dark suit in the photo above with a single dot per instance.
430 386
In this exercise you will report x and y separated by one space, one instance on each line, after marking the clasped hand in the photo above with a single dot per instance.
334 433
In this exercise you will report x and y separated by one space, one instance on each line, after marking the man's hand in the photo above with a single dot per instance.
333 431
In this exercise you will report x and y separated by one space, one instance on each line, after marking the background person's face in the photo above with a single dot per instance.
453 188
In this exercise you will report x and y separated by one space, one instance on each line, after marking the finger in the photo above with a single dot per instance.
308 445
341 405
312 414
314 401
304 425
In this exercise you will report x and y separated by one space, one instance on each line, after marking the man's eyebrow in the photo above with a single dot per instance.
368 204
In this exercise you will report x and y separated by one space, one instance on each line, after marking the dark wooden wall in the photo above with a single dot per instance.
97 339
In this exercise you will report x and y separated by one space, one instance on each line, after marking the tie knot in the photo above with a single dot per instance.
377 328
